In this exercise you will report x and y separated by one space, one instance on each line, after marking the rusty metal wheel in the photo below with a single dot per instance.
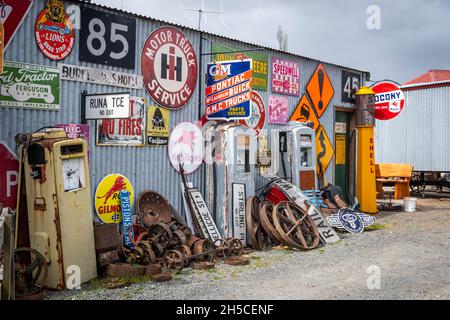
235 247
186 251
204 250
158 249
173 261
222 246
258 237
30 271
179 238
153 208
267 222
161 233
295 226
191 240
149 254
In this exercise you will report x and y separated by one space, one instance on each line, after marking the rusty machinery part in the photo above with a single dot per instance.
235 247
30 271
267 222
179 238
175 224
222 247
258 236
106 237
187 231
173 260
136 255
237 261
153 208
161 233
295 226
186 251
120 269
203 265
158 249
204 250
153 269
191 240
162 277
150 256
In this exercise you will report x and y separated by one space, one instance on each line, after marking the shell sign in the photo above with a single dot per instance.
107 197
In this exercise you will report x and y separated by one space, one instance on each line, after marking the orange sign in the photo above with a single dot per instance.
320 90
305 112
2 38
324 151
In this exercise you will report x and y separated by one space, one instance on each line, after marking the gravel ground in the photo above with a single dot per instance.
412 252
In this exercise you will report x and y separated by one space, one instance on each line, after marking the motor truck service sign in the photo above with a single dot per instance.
100 76
186 147
107 106
228 90
12 14
169 67
54 32
124 131
260 62
106 38
29 86
107 197
278 110
389 100
257 119
158 121
285 77
9 176
304 112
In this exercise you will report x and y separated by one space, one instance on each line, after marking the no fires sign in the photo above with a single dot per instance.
9 176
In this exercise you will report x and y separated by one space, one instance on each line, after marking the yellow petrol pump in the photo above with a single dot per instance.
365 174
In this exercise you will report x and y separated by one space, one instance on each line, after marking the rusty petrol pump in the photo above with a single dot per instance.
59 204
230 176
365 122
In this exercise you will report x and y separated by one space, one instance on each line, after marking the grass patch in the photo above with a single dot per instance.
377 226
322 250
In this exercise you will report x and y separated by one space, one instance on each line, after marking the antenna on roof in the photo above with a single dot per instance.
202 13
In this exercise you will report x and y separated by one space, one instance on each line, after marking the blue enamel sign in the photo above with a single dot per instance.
127 221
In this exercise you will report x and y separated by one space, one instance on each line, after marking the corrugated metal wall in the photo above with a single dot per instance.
420 134
146 167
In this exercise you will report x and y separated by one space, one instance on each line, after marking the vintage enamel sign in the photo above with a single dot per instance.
54 32
186 147
389 100
278 110
169 67
124 131
228 91
285 77
12 14
158 121
350 84
320 90
9 176
29 86
324 151
239 201
257 119
107 197
127 221
107 106
305 112
326 232
204 216
353 222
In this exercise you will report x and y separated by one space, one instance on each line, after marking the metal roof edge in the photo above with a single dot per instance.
365 72
417 86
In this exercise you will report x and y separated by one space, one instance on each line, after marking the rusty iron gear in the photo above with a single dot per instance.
235 247
222 246
186 251
204 250
173 260
295 226
161 233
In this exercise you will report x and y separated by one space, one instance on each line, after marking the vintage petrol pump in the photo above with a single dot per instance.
365 122
230 176
59 204
293 149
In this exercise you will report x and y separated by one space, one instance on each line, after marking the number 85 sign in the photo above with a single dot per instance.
107 39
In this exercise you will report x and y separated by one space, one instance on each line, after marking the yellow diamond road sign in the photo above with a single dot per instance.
324 151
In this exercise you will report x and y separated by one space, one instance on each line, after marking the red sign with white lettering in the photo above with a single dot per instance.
12 13
9 176
389 100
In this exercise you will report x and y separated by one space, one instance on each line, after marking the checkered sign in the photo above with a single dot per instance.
285 77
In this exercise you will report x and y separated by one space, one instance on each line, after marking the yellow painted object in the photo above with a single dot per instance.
60 207
365 179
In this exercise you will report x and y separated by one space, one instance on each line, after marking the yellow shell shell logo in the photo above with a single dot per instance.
107 197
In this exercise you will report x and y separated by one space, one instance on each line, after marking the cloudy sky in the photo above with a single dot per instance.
414 35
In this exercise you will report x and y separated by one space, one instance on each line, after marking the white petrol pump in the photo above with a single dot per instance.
293 155
230 175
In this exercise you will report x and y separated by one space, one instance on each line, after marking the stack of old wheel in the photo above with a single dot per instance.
259 239
107 243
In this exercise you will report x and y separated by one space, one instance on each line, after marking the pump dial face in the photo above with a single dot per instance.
73 174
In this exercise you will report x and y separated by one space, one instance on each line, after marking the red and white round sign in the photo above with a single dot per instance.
389 100
258 114
169 67
54 33
186 147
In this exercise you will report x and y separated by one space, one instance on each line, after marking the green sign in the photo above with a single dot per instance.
29 86
260 63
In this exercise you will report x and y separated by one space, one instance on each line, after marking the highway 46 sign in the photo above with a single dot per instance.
169 67
389 100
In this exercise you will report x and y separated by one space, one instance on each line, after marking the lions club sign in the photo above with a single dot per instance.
107 197
169 67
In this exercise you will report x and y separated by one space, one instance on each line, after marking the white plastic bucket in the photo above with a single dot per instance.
410 204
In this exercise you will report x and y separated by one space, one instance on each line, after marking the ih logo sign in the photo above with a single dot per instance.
169 67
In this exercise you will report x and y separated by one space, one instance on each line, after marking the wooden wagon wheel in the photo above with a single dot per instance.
295 226
267 222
